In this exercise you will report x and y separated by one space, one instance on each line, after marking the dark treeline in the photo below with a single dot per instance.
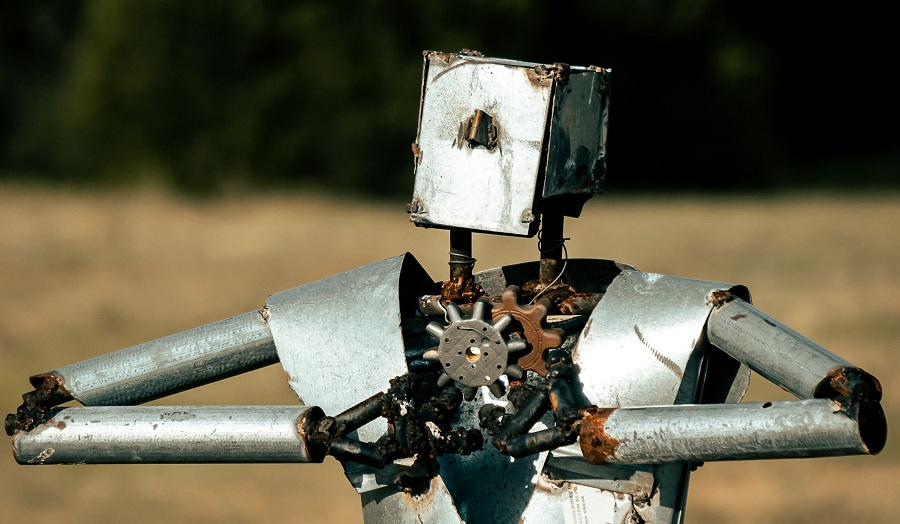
208 95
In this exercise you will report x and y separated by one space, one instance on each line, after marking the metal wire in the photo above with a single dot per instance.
557 243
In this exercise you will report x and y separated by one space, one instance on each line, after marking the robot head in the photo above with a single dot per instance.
496 138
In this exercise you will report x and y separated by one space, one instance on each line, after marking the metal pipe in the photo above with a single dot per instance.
784 356
170 434
716 432
526 417
345 449
552 224
171 364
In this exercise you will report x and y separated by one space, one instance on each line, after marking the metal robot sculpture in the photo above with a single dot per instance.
559 390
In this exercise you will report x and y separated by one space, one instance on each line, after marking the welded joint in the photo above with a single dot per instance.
36 408
720 297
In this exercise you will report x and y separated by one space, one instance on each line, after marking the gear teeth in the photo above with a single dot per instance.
453 312
541 308
498 389
478 310
503 322
469 393
444 380
517 345
434 329
533 318
431 354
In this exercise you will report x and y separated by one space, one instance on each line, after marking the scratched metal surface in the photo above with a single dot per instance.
477 188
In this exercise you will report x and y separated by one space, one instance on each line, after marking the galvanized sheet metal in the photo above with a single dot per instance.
389 505
168 435
339 339
639 342
477 188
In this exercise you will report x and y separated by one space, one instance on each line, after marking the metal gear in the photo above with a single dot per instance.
534 323
473 351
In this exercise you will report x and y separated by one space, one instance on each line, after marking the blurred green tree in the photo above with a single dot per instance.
266 93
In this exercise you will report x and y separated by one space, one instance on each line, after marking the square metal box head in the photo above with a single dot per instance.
498 138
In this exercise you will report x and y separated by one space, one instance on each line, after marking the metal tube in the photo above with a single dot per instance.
782 355
361 414
526 417
171 364
345 449
538 441
715 432
170 434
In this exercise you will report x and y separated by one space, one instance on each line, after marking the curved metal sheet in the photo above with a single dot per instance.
339 339
639 345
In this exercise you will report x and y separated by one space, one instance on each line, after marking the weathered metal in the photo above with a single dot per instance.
171 364
716 432
782 355
170 434
644 369
533 321
319 353
472 351
644 343
484 126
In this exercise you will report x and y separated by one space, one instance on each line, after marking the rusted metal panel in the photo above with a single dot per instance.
170 434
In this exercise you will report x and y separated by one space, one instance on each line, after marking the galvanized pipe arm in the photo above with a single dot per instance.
153 369
170 435
840 413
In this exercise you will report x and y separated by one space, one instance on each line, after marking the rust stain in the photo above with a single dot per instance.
587 327
596 445
739 316
849 382
720 297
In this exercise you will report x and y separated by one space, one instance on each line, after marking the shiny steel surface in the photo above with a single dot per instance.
171 364
475 187
772 349
168 434
715 432
339 339
641 340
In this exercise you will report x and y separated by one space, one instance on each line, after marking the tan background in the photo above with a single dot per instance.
87 273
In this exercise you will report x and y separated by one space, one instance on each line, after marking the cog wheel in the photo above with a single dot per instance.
534 322
472 351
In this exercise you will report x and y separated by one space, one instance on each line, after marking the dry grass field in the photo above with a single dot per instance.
86 273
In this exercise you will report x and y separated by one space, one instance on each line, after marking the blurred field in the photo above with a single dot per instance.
86 273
